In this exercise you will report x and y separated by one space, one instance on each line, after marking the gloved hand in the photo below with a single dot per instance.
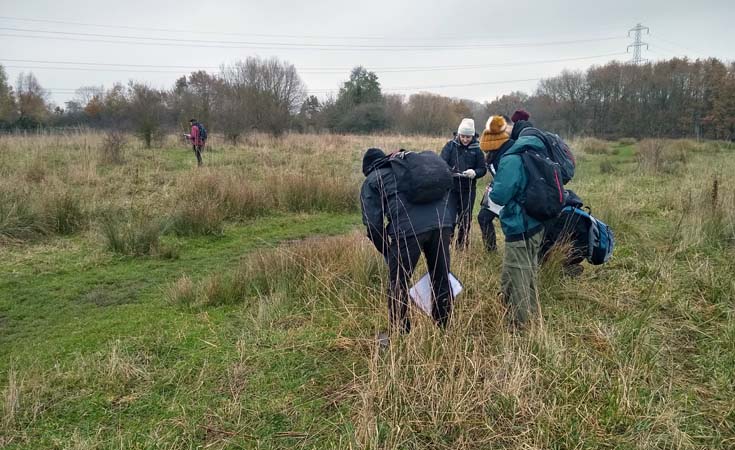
469 173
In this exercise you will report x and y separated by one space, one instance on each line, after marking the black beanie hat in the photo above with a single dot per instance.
372 155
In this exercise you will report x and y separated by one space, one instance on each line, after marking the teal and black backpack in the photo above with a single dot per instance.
600 241
202 132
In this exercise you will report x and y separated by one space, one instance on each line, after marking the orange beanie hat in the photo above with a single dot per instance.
495 134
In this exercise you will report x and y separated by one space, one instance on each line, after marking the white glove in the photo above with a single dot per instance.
469 173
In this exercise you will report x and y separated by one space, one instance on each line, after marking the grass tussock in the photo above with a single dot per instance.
660 156
592 146
317 192
207 199
29 212
314 268
134 236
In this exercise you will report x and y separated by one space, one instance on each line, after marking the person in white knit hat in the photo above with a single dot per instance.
467 163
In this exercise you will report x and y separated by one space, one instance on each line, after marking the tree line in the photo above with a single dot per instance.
673 98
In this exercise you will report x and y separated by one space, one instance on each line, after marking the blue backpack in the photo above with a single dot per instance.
202 132
601 240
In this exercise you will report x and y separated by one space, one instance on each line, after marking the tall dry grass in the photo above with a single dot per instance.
662 156
590 146
563 384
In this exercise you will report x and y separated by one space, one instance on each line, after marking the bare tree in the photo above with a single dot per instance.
265 94
146 111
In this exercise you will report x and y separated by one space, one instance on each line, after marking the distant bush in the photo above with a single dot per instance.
627 141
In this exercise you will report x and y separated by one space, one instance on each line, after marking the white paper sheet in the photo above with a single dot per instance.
421 292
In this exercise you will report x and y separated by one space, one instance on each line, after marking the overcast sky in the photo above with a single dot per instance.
412 45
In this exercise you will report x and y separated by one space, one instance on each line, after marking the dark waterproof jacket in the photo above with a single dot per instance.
381 202
461 158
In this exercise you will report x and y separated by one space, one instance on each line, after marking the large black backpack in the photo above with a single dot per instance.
423 177
559 151
544 195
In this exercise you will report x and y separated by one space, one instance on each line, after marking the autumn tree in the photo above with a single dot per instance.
32 101
8 108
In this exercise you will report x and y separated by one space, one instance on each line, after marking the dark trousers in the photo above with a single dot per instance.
465 201
198 153
485 218
403 255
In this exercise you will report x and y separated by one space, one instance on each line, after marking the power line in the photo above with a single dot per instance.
434 37
396 69
282 45
689 49
398 88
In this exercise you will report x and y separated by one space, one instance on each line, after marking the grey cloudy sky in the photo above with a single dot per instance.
412 45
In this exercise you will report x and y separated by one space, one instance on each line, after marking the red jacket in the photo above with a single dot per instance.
194 136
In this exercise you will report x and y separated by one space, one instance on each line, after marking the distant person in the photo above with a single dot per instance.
523 233
401 230
198 139
466 161
495 141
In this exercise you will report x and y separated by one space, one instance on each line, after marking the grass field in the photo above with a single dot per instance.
145 303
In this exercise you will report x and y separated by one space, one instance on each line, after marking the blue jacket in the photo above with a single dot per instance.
509 190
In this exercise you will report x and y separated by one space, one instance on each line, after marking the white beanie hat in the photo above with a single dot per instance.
466 127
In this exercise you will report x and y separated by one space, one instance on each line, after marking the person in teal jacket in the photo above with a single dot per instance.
523 233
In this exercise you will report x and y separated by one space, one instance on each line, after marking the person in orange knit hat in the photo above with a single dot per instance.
495 140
